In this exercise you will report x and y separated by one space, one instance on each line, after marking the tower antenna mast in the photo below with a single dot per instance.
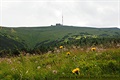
62 18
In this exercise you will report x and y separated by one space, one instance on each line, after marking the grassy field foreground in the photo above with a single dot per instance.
71 64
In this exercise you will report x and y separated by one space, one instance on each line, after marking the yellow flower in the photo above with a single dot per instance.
61 47
68 53
93 49
76 70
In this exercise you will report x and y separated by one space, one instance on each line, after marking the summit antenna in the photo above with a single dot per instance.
62 19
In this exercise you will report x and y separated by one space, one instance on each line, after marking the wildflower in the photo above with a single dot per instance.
13 69
63 73
48 66
76 71
54 71
93 49
9 61
38 67
68 53
61 47
36 61
18 62
27 54
26 71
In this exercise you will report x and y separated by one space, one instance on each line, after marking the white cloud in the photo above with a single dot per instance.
0 12
97 13
119 14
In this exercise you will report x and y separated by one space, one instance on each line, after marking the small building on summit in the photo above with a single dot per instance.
58 24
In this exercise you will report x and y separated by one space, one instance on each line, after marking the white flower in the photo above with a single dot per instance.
38 67
36 61
54 71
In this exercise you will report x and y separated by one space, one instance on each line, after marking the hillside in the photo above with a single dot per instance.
32 37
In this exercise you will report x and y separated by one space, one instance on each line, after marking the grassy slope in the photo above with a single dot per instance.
5 41
33 35
103 64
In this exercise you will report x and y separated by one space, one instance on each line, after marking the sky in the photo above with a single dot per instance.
90 13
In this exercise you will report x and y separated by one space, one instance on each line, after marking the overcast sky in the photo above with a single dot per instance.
93 13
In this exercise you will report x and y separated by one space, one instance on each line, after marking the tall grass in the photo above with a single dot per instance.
50 66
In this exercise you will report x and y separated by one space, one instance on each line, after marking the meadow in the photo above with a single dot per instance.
35 53
64 64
